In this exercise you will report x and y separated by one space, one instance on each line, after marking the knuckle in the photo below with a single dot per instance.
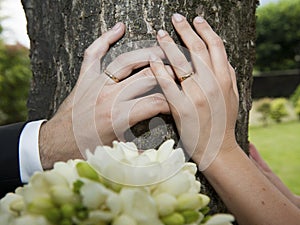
156 104
198 47
226 82
216 42
104 95
87 53
200 102
213 93
207 97
157 99
181 65
184 112
107 115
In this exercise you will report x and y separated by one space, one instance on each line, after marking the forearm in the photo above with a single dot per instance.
274 179
247 193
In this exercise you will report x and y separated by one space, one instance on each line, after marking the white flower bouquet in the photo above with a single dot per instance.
115 186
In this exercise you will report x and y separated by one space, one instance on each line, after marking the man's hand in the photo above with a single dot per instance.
102 105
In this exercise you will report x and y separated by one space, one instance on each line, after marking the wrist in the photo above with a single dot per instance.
228 154
45 145
57 142
206 154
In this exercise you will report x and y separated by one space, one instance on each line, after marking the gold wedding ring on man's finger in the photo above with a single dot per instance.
111 76
186 76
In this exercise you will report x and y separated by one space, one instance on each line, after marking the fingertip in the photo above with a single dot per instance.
113 34
255 155
252 147
119 27
101 45
252 150
161 34
177 18
199 20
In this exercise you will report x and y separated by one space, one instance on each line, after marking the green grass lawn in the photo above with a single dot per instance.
279 144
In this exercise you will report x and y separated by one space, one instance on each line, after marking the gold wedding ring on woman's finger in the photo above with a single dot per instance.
186 76
111 76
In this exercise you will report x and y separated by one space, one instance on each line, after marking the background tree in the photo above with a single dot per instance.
15 76
278 35
60 31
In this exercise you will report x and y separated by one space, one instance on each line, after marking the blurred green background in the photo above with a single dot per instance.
15 76
274 122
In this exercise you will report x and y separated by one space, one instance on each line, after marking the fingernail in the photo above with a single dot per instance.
177 17
199 19
161 33
117 26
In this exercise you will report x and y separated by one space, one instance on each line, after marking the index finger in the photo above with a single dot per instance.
98 49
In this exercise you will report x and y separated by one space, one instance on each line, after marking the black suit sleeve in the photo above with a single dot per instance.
9 157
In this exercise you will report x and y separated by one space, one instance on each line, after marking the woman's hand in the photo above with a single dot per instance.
205 106
102 105
205 110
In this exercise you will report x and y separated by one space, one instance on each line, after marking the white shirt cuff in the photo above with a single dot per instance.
29 155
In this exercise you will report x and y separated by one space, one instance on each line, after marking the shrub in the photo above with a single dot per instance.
278 109
15 76
295 96
264 107
297 108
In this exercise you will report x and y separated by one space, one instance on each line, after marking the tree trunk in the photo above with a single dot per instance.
60 31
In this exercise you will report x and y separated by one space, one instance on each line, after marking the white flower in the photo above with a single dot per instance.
114 203
124 165
139 205
67 170
8 200
118 186
31 219
220 219
7 214
177 184
94 194
191 201
98 216
166 203
61 195
124 220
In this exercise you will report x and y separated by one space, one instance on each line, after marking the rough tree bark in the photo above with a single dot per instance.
60 31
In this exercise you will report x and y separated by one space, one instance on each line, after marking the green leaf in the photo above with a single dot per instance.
173 219
85 170
77 186
190 216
